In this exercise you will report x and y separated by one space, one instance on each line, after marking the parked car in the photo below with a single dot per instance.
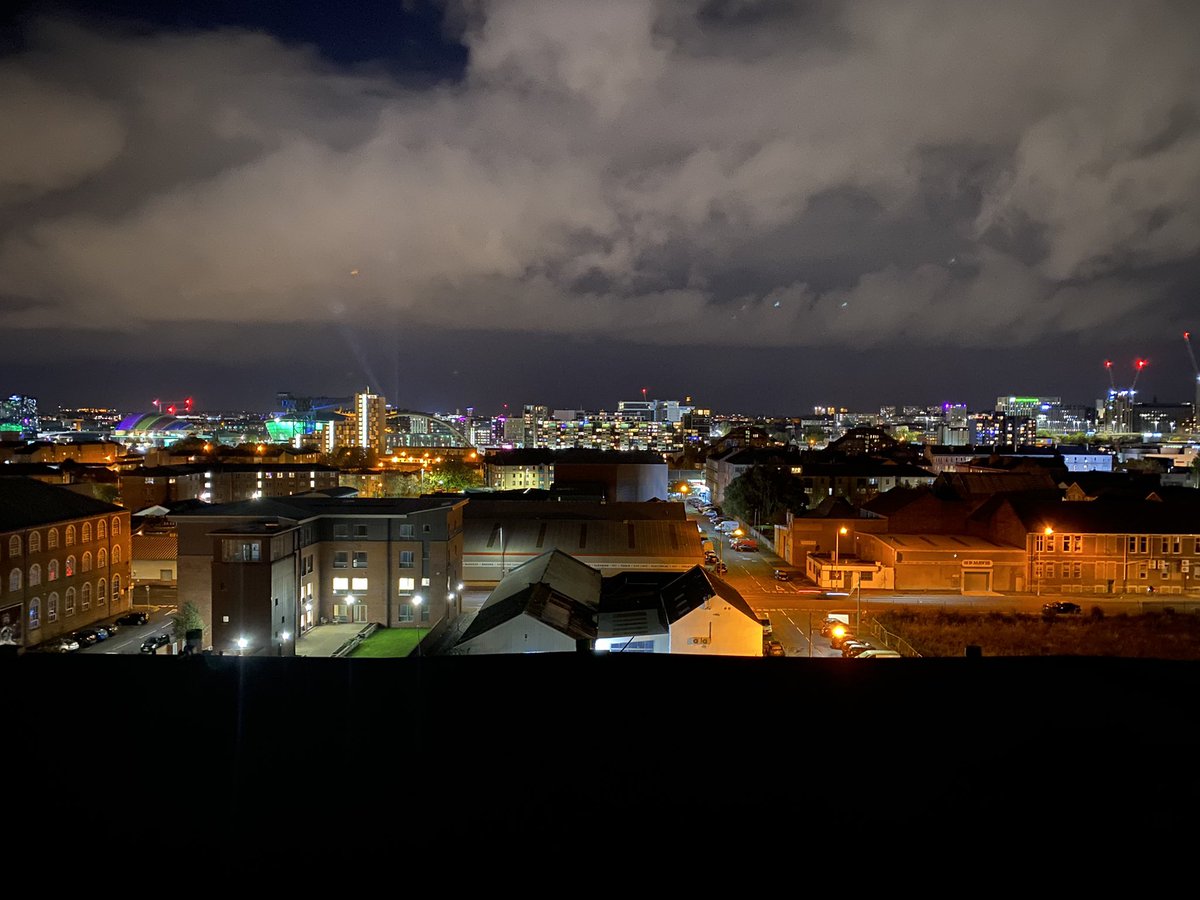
86 636
721 568
745 545
774 648
781 575
101 632
1061 606
65 644
711 558
133 618
838 635
152 643
855 647
879 653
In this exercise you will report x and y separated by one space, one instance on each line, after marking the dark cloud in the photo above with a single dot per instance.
555 183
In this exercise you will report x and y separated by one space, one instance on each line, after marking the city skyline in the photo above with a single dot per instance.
766 207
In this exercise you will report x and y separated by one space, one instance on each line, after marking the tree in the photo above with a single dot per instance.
188 619
453 475
765 494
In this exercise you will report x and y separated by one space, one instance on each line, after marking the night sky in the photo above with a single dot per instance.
762 205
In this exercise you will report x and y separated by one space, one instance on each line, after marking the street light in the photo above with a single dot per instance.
417 601
349 607
283 639
837 546
1045 538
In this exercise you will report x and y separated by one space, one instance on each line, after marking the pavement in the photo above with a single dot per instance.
326 640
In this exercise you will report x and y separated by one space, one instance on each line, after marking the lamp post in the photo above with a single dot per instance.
837 546
283 639
349 607
417 601
1041 546
502 552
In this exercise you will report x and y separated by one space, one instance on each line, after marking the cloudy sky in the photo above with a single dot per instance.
765 205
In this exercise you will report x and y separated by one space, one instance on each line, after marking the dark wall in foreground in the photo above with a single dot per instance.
261 750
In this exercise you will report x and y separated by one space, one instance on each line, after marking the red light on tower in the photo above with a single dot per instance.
171 409
188 404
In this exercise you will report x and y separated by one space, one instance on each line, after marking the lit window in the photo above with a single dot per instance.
358 584
408 584
35 613
70 566
341 584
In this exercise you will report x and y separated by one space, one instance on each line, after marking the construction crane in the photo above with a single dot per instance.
1187 341
1140 364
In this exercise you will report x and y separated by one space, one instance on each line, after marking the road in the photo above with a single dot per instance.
128 638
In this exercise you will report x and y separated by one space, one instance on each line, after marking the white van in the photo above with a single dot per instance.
727 526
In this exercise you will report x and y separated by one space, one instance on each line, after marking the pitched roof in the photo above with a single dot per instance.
25 503
1104 515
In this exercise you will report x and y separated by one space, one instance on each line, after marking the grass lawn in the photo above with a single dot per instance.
389 643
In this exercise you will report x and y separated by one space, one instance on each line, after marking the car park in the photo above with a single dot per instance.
102 633
133 618
854 647
1061 606
152 643
745 545
86 637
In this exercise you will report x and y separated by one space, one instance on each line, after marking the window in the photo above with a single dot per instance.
1176 544
69 607
406 559
424 612
1050 570
406 614
102 591
52 570
406 531
85 595
1077 543
341 532
102 558
87 562
360 531
116 526
426 529
85 533
341 584
341 559
424 582
52 539
35 613
116 557
1143 544
1164 545
35 574
116 588
14 546
14 580
1132 546
100 534
52 608
1049 543
234 550
360 559
70 566
35 542
70 535
408 584
1077 570
358 584
1039 543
